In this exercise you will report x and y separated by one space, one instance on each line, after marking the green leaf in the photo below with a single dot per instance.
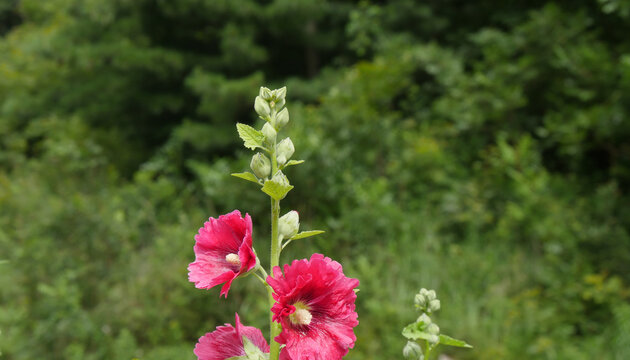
305 234
414 332
292 162
247 176
252 352
447 340
252 137
275 189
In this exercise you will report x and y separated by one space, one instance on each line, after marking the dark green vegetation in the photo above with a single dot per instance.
479 148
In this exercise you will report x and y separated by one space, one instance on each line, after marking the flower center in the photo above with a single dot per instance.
233 259
301 315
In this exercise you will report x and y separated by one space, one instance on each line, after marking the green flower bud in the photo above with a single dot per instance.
433 329
413 351
262 107
269 132
261 166
289 224
280 178
285 150
280 103
425 319
282 118
279 94
434 305
265 93
420 301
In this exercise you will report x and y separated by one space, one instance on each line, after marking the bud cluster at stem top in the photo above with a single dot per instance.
426 301
269 106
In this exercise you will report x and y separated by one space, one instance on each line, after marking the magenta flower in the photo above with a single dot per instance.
223 251
227 341
315 305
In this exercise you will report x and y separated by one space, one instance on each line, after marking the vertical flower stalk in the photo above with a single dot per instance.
274 328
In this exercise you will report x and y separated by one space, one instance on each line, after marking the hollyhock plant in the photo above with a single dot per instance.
315 305
227 342
223 251
312 302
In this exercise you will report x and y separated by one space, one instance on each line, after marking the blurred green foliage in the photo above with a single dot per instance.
477 148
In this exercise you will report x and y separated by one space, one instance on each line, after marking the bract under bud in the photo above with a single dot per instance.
265 93
262 107
285 150
261 166
269 132
289 224
413 351
282 118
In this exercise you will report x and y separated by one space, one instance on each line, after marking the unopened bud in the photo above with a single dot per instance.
433 339
269 132
424 318
420 300
431 295
289 224
413 351
282 118
261 166
280 103
433 329
280 178
434 305
261 107
265 93
279 94
285 150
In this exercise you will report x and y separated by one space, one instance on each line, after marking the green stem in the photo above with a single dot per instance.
274 328
429 348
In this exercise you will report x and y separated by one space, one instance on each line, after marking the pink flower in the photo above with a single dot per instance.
223 251
226 342
315 305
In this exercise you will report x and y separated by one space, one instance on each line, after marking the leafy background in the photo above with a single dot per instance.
479 148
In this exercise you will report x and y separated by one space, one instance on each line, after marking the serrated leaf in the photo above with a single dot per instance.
447 340
414 332
292 162
251 137
305 234
276 189
247 176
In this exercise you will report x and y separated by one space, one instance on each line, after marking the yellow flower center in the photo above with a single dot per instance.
301 316
233 259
